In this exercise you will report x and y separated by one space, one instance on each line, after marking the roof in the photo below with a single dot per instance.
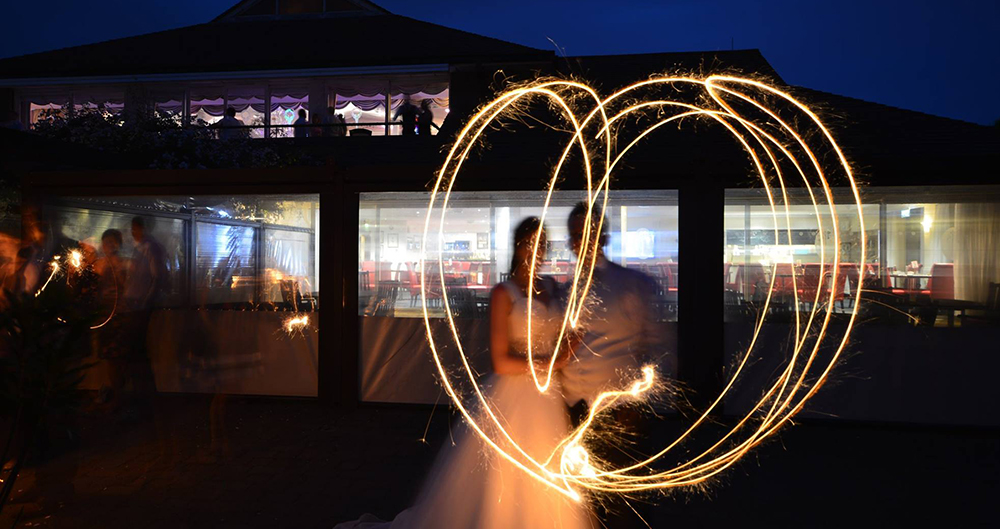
255 44
894 146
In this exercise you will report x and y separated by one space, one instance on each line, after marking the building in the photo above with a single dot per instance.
246 244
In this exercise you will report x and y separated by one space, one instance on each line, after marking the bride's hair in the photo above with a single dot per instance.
522 235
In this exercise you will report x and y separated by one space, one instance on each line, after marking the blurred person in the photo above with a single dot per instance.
316 130
301 125
343 125
111 270
408 113
620 336
470 485
230 127
426 119
146 279
330 127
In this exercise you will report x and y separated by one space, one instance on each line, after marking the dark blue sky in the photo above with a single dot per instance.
937 57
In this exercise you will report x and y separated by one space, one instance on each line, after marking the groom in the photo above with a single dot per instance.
620 331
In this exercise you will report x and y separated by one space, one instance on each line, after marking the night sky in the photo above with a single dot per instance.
937 57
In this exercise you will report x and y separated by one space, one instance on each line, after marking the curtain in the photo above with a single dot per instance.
366 102
977 250
440 99
292 101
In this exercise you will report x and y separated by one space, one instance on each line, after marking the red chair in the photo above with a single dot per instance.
672 276
783 283
809 281
941 284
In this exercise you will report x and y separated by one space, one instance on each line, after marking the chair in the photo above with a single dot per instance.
941 284
364 280
993 298
673 276
384 301
361 132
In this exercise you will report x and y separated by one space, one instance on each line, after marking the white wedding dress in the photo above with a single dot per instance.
470 486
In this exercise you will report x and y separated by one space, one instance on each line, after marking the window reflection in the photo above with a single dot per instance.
236 268
475 249
927 262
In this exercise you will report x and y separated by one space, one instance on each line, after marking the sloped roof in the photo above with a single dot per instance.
896 146
273 44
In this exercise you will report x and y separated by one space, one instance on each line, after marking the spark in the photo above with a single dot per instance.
759 118
297 323
75 259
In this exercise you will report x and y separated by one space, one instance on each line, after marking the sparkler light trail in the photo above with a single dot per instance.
55 269
786 142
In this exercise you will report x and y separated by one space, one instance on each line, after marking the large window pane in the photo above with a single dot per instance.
226 264
208 105
476 251
72 226
927 305
248 102
221 318
794 246
363 111
285 107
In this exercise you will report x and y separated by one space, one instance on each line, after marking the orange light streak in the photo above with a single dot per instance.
752 112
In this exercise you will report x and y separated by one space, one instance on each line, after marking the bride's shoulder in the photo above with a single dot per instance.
503 289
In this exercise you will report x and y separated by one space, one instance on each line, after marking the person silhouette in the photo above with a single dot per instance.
408 113
229 126
425 122
301 125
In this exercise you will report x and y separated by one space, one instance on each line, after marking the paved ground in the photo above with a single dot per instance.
295 463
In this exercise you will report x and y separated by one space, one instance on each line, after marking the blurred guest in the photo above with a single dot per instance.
408 113
230 127
111 270
146 279
330 122
316 130
301 125
426 119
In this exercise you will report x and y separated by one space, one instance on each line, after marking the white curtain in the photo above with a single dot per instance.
977 250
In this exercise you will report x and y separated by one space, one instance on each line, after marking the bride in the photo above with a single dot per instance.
470 486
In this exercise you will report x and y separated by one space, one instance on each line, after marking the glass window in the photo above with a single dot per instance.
44 107
106 103
758 244
363 112
255 255
927 308
208 105
248 102
430 98
286 106
169 105
947 251
86 226
225 272
476 252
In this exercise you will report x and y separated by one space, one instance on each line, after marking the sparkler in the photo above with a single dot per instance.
296 323
55 269
781 136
